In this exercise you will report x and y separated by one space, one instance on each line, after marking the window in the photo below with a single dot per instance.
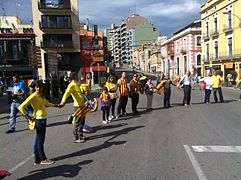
184 44
199 41
229 19
1 50
185 64
178 66
207 29
216 49
207 52
230 47
199 63
215 24
15 51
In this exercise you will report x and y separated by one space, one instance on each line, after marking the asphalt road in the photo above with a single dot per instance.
156 144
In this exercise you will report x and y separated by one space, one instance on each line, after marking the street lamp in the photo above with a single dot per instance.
235 16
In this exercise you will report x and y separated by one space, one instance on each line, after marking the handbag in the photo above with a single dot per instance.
113 95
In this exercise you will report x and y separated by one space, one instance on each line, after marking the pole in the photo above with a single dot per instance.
99 74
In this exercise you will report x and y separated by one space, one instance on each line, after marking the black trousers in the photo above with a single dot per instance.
134 102
187 94
106 113
122 104
167 97
112 106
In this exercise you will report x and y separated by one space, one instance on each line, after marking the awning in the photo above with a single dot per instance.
94 68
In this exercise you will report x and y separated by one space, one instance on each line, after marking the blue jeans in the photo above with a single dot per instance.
39 140
13 115
207 95
219 90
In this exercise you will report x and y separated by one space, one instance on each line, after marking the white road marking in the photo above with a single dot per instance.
217 149
195 164
21 164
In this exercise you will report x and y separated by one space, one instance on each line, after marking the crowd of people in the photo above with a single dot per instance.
31 100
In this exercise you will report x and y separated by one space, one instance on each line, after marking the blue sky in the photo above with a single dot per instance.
168 15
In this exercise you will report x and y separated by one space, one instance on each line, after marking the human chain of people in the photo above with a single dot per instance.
33 105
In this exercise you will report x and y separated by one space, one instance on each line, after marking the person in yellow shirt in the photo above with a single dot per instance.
134 92
217 79
39 103
123 94
112 88
74 90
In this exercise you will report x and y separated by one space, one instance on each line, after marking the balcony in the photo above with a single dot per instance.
57 45
227 28
206 36
214 34
228 55
54 7
55 28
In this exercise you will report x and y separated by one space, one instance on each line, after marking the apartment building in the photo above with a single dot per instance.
182 52
221 27
18 53
56 25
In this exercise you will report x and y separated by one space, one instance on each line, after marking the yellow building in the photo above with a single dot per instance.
221 27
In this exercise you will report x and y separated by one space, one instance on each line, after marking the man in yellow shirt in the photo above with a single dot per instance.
123 94
217 86
134 91
74 90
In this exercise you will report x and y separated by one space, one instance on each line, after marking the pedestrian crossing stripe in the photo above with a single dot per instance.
217 149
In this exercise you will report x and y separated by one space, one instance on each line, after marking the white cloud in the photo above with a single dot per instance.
174 11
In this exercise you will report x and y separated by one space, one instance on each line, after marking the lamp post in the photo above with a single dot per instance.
235 16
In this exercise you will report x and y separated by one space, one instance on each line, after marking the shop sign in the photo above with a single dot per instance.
229 65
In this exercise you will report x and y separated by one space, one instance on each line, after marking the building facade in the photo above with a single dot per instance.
131 34
18 53
56 25
182 52
221 26
92 54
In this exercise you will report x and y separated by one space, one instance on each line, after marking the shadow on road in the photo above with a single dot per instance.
67 171
103 146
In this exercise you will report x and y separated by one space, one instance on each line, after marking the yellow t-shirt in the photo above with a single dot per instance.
74 90
217 81
134 86
122 86
38 103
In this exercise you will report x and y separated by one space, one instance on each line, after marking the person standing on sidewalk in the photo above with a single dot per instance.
74 90
123 94
39 103
217 87
112 88
186 82
208 89
149 88
18 95
134 92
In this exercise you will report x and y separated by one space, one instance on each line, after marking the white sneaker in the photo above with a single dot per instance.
104 122
110 118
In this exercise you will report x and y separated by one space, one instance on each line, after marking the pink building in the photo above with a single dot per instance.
182 52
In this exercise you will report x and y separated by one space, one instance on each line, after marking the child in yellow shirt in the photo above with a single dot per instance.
105 105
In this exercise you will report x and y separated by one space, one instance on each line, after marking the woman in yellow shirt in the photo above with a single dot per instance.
39 103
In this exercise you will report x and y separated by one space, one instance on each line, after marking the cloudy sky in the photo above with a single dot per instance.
168 15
